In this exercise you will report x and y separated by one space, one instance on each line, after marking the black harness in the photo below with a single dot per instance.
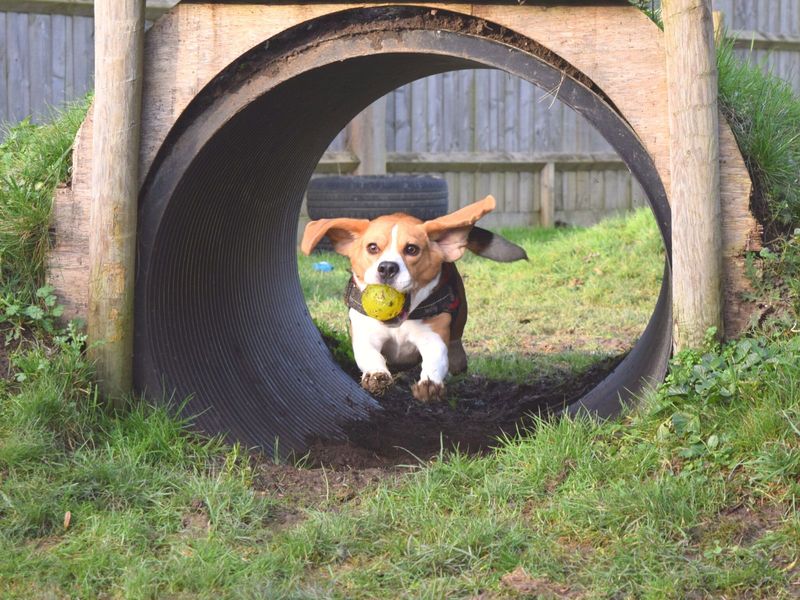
442 299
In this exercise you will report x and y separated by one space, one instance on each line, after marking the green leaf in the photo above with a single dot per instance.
45 291
34 312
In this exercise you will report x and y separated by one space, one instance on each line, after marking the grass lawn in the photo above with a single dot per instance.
692 494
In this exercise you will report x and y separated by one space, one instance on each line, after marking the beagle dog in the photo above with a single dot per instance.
415 258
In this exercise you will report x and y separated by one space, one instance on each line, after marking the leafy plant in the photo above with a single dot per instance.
34 159
717 374
774 275
40 315
701 382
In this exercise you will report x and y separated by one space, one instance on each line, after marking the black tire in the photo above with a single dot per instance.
370 196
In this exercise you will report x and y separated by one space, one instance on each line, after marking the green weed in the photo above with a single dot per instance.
764 113
34 159
40 314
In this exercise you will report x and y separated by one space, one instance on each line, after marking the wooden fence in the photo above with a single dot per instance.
483 130
486 131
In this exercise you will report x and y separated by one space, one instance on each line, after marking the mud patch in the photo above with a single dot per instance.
5 362
478 411
520 584
196 521
298 489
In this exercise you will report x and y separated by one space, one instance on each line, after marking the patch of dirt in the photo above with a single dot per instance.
407 433
316 487
5 362
476 413
196 521
742 524
521 584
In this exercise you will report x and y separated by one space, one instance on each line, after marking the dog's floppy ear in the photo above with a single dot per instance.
494 246
342 232
451 232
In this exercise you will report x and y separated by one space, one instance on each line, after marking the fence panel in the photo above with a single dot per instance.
45 61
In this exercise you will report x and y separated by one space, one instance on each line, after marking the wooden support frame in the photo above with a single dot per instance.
119 41
615 47
697 270
366 139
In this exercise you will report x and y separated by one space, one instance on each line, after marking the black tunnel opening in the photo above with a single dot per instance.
220 313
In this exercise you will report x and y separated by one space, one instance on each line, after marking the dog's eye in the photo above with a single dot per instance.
373 248
411 249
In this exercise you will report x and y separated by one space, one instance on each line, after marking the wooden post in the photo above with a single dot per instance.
719 25
694 156
547 195
366 139
119 42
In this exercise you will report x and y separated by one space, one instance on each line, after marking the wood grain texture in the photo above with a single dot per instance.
40 61
115 192
697 277
83 54
58 32
68 261
3 67
618 48
547 199
366 139
19 100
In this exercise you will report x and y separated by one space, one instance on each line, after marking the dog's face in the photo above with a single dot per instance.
395 250
398 250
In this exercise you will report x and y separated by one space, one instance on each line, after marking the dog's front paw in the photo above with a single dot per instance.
377 382
428 391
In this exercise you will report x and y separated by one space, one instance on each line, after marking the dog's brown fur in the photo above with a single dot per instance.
440 242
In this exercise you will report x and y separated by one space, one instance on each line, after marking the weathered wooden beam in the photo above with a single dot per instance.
346 162
481 162
759 40
80 8
119 43
694 157
337 163
547 195
719 25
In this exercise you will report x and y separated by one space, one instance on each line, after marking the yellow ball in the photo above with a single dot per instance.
382 302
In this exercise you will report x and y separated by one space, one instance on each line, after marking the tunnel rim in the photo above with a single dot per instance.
199 106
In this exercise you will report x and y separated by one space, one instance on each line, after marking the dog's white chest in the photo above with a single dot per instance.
399 345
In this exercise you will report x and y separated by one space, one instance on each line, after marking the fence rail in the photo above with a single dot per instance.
758 40
545 164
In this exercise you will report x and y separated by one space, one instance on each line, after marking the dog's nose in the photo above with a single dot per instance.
387 270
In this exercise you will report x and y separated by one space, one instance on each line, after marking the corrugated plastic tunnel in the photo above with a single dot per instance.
220 313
